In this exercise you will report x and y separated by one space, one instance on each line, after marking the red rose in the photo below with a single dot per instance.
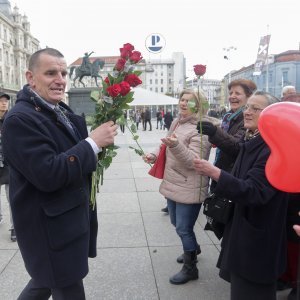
199 70
120 64
106 80
135 57
133 80
125 88
114 90
126 51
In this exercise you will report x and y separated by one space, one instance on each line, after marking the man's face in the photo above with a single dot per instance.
3 104
48 78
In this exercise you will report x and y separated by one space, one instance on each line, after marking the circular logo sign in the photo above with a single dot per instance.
155 43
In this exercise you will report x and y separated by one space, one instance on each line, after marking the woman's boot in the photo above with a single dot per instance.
189 270
180 258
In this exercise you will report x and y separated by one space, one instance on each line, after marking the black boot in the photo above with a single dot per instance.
180 258
189 270
165 209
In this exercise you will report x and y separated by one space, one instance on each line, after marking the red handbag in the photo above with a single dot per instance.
158 168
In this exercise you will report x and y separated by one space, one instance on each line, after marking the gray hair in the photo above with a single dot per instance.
34 59
269 97
286 88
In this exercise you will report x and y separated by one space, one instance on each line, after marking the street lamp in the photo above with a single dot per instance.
228 57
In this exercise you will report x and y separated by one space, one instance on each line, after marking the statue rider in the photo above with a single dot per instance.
86 65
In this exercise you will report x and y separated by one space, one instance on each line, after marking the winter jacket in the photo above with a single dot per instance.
228 143
50 172
181 183
254 242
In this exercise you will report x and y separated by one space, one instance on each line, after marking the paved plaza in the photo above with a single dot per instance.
137 245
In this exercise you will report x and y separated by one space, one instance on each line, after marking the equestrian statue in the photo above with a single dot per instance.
87 69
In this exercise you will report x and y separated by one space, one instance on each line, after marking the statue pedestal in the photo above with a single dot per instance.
80 101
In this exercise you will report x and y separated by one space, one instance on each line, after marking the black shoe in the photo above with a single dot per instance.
189 270
180 258
13 236
292 295
165 209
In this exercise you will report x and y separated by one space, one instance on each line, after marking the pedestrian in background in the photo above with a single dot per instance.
181 184
148 119
137 118
4 170
50 179
168 119
253 248
159 120
122 126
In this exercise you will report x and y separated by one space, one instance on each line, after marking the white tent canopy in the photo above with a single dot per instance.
147 98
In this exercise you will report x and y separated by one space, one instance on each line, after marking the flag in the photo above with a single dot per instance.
262 54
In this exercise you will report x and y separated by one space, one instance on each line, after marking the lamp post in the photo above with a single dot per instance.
228 57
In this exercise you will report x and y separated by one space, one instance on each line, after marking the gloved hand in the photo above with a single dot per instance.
208 128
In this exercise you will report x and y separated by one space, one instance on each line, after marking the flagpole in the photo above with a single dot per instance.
267 66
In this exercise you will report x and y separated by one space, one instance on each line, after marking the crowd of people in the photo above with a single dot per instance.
55 226
260 248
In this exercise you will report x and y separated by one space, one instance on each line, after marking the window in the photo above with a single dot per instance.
161 89
162 81
285 77
150 81
156 90
156 81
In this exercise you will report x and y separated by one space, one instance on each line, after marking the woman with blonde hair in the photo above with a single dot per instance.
183 188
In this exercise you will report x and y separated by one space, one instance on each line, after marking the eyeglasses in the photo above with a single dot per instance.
252 108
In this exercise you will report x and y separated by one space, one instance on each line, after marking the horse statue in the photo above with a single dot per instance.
82 72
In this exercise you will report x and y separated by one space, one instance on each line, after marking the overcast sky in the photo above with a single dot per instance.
200 29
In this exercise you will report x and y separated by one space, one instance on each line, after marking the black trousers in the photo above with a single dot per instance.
33 291
244 289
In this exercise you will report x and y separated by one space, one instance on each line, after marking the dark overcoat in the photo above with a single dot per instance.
228 144
50 171
254 243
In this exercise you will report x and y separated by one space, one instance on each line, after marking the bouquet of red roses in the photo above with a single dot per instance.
111 101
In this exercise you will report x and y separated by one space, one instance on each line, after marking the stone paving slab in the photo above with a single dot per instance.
137 245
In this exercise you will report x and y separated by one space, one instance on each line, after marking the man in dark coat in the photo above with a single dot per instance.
51 160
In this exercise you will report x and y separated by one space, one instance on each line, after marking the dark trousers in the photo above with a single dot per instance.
148 121
34 291
244 289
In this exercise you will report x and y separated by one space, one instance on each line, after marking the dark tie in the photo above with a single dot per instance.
65 120
62 117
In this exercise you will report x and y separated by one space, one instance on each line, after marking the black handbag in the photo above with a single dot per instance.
217 208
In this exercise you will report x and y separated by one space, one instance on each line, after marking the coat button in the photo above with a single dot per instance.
72 158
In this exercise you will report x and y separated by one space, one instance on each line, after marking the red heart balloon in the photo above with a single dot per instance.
279 125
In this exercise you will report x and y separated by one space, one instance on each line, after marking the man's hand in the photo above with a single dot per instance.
208 128
104 134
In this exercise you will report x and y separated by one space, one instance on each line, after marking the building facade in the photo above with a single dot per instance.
16 46
163 76
282 69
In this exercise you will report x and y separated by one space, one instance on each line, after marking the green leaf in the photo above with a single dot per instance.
137 151
133 127
135 137
137 73
192 106
95 95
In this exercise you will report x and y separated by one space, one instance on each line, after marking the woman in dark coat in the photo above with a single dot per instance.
226 137
254 244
